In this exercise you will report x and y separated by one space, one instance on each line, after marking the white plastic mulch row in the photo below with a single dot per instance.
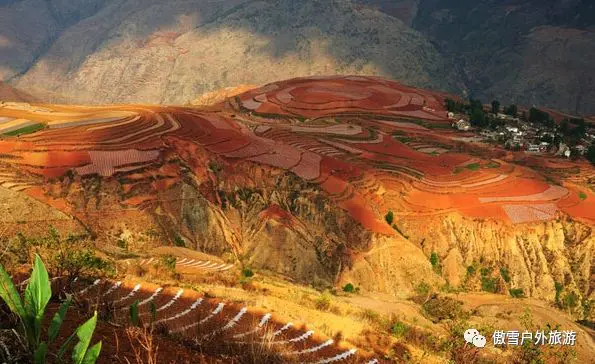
265 319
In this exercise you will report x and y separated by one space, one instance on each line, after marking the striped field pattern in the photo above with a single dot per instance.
187 313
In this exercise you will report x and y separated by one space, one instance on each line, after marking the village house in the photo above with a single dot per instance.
462 124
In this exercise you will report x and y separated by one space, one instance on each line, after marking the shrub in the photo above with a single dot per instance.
470 270
489 285
323 302
516 292
71 256
435 261
247 273
473 166
31 312
423 288
179 241
389 217
399 329
121 243
169 262
442 308
77 262
570 301
582 195
371 316
559 287
350 288
505 274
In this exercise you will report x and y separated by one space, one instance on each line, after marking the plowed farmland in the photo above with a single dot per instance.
324 130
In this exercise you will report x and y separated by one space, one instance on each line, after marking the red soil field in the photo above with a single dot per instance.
350 149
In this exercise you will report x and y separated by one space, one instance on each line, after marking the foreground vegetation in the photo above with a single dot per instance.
30 313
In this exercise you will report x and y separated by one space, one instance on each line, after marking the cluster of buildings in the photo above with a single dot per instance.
519 134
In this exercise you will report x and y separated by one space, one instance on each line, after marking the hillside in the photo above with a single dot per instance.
532 52
108 51
156 52
8 93
315 183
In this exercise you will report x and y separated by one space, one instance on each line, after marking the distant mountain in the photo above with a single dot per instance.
531 52
9 93
109 51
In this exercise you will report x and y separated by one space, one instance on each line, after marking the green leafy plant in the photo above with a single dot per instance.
350 288
582 195
473 166
31 311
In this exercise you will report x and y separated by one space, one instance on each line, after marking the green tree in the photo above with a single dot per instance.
540 117
591 154
495 107
511 110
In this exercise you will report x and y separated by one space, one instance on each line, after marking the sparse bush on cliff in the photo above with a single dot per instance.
350 288
179 241
323 302
442 308
389 217
435 261
517 292
505 274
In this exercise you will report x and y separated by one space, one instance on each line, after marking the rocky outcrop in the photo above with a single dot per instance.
534 257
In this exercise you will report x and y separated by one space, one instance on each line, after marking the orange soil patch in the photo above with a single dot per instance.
325 96
275 212
39 194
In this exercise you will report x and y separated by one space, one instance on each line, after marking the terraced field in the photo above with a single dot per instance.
189 315
340 143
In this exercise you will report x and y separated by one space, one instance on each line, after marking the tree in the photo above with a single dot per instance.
495 107
478 117
454 106
564 126
511 110
591 154
540 117
476 113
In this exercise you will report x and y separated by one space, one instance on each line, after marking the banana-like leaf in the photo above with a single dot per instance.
10 295
40 353
57 321
39 290
37 296
84 333
92 354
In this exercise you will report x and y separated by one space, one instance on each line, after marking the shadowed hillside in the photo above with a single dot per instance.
169 52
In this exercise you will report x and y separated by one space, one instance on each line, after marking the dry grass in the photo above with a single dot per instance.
143 344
